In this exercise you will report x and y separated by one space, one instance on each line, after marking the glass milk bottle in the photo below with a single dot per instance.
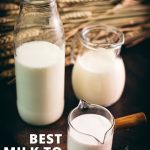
98 74
39 62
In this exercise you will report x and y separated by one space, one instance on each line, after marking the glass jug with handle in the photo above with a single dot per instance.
98 75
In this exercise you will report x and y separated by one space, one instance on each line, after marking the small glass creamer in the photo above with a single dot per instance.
91 127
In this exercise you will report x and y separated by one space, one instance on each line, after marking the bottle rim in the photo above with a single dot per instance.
38 2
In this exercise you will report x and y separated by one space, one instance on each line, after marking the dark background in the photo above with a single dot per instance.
135 98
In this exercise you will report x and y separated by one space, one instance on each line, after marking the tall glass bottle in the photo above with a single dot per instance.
39 62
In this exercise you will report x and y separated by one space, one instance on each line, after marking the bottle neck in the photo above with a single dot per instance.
39 21
43 13
39 4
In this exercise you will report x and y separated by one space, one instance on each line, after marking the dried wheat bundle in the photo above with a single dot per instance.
131 16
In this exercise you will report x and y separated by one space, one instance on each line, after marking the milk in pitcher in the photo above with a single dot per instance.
98 77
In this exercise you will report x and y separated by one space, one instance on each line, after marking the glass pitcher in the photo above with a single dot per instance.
91 127
39 62
98 74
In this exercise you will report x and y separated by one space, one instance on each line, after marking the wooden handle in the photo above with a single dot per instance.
130 120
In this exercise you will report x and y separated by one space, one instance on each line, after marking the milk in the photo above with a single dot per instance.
98 77
39 67
90 124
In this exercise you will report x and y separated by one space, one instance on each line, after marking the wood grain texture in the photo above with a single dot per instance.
132 120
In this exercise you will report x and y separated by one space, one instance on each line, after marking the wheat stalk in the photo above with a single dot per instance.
6 46
4 39
7 73
75 1
9 6
6 53
74 15
6 20
12 12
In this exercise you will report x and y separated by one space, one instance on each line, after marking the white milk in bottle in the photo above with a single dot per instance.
89 124
99 77
40 82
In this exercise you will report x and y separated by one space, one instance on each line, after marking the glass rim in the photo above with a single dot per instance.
96 106
107 28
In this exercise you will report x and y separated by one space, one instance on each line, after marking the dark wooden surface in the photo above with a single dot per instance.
136 98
